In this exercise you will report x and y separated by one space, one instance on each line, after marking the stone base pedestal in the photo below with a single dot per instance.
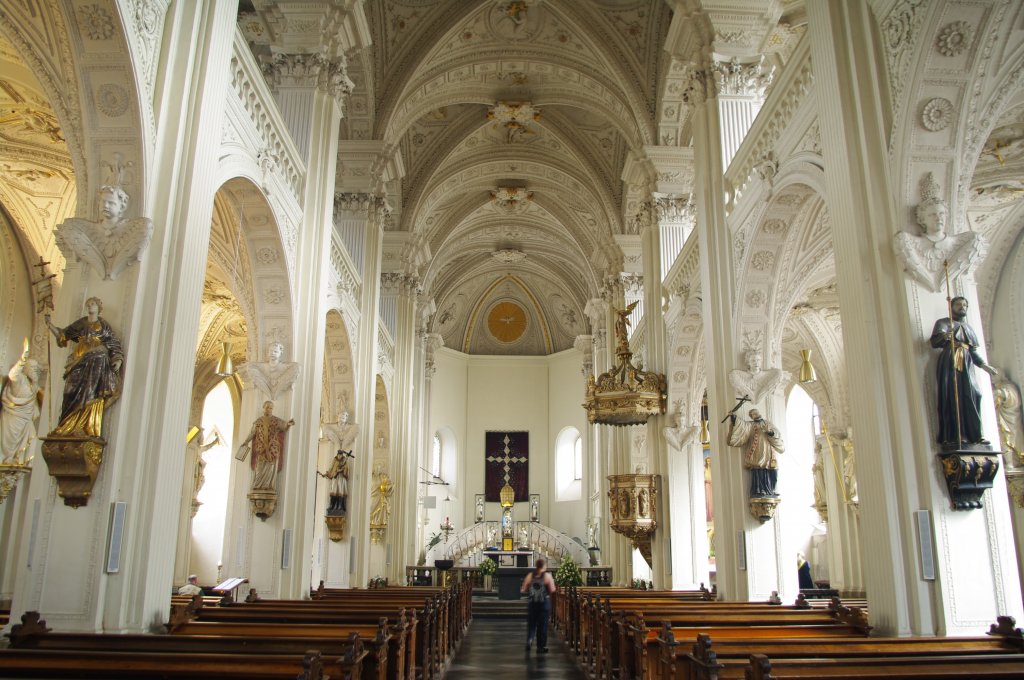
74 461
336 526
263 503
763 508
969 472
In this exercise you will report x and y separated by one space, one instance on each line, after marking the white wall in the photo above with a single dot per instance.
540 395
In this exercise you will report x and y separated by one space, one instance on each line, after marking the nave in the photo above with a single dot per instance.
383 300
493 648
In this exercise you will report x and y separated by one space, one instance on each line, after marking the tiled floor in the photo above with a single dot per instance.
493 649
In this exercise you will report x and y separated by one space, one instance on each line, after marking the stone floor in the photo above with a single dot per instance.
494 649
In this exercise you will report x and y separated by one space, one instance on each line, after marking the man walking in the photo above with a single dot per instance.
538 586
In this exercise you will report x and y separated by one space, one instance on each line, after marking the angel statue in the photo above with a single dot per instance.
755 382
111 245
678 435
343 433
21 397
923 256
92 374
273 377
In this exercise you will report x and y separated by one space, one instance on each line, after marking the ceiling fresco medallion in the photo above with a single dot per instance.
506 322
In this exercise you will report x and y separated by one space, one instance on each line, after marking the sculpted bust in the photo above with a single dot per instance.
111 245
343 433
273 377
755 382
923 255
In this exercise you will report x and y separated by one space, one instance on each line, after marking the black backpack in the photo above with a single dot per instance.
538 592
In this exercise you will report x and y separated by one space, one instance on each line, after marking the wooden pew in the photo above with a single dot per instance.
50 663
705 660
403 657
376 640
993 666
340 657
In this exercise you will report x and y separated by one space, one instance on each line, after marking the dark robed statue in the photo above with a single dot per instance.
92 374
957 388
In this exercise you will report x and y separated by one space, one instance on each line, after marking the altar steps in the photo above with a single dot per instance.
487 606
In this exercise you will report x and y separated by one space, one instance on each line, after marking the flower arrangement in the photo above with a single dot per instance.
377 582
568 573
488 567
434 540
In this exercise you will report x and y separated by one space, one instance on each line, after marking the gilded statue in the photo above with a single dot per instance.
266 443
337 476
21 397
1008 415
92 374
959 399
382 492
761 444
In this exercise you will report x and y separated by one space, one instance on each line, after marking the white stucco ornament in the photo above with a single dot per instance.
274 377
923 256
110 245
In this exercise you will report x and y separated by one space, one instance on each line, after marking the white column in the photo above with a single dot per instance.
143 459
718 292
368 209
657 361
320 116
886 322
404 472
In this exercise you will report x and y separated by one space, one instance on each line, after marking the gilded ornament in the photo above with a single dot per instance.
625 395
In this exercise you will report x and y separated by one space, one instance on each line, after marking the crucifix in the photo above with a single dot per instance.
506 459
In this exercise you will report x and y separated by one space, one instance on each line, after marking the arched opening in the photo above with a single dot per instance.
569 465
805 533
212 482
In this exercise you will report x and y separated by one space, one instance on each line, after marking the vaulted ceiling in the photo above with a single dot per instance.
514 121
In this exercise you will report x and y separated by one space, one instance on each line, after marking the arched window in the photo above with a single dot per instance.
577 458
569 465
435 456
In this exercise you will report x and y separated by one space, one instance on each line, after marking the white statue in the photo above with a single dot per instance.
923 256
274 377
755 382
20 399
677 435
111 245
849 470
343 433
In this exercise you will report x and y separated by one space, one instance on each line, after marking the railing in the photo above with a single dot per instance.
466 547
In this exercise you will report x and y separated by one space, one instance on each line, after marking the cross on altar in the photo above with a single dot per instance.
506 459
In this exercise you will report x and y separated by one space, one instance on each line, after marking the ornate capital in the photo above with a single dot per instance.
736 78
678 209
308 71
345 201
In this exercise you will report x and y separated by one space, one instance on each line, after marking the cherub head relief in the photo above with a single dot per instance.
276 351
931 212
754 360
113 203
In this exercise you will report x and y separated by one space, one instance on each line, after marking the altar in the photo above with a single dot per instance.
511 558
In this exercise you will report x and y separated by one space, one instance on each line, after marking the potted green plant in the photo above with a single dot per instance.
488 568
568 573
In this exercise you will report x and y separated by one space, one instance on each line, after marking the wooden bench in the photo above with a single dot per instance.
55 663
705 660
1002 666
383 661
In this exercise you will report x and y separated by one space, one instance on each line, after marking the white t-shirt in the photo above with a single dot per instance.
190 589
